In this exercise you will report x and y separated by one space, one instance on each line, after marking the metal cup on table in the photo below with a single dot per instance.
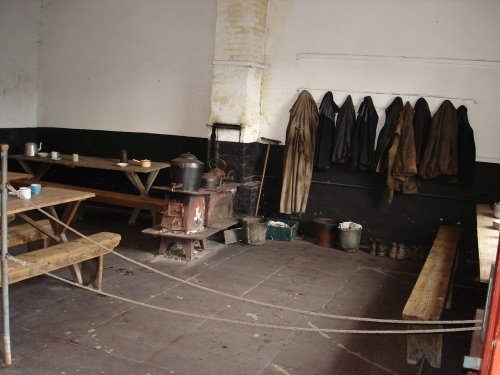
36 189
24 192
123 156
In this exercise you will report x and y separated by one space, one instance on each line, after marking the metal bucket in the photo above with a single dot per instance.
254 229
326 231
349 238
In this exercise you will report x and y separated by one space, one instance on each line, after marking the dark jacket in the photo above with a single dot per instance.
466 148
364 133
325 133
440 157
421 126
343 133
386 133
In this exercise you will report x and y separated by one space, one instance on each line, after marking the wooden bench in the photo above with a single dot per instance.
430 294
154 205
63 255
25 233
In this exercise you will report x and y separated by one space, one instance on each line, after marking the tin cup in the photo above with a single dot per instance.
24 192
36 189
123 156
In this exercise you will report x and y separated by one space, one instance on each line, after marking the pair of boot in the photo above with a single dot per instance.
397 251
377 247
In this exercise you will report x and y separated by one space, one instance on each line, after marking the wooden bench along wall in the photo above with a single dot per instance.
430 294
63 255
155 205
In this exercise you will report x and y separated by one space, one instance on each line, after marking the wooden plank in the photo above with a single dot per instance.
476 347
427 346
24 233
93 162
62 255
428 297
487 240
108 197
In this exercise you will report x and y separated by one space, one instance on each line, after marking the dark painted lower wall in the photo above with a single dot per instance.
157 147
411 219
337 194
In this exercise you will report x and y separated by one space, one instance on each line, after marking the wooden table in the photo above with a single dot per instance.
132 170
47 200
487 240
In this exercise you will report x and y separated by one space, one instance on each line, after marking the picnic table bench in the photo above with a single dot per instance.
63 255
25 233
154 205
430 294
132 171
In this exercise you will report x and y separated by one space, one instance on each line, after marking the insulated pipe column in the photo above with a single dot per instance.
7 357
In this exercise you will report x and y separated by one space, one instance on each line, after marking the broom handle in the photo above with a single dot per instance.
262 179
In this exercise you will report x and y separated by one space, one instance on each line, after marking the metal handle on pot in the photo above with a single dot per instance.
213 163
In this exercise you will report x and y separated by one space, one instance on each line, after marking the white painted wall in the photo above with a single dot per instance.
127 65
19 29
436 49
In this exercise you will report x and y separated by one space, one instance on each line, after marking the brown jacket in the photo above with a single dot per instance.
299 154
401 158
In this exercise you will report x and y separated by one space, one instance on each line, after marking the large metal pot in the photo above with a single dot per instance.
186 171
208 181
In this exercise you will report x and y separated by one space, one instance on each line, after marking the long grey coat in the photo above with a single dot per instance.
299 154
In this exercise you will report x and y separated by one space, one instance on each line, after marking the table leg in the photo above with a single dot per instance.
34 224
40 172
136 181
98 279
149 181
59 232
142 189
26 167
56 227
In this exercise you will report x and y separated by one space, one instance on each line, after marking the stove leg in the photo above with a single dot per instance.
203 243
188 247
163 247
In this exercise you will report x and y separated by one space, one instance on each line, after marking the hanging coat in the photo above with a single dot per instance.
440 157
466 148
384 140
364 133
299 154
421 126
401 160
325 133
341 152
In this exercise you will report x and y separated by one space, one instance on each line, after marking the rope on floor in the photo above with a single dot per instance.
244 323
252 301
